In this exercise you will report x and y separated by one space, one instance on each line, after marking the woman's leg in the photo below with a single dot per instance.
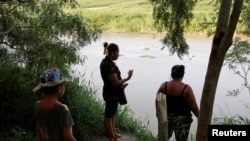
110 111
109 129
116 134
182 128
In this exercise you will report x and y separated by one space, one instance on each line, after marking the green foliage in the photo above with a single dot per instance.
246 17
234 120
126 122
17 134
235 92
35 35
17 101
119 16
208 23
41 34
237 59
173 17
86 110
239 54
136 16
206 16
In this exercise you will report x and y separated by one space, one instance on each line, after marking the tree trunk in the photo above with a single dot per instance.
161 113
221 43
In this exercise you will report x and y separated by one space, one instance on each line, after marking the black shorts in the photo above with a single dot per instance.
110 108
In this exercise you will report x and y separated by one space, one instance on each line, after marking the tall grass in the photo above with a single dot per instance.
119 16
126 122
233 120
88 114
136 16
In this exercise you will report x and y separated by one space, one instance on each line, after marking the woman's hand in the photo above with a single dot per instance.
114 79
130 74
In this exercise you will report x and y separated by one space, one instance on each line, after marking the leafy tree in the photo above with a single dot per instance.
222 41
228 18
237 59
173 16
41 34
36 34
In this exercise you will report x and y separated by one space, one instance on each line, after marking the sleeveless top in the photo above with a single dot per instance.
177 105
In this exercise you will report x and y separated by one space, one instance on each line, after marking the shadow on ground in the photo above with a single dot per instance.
125 137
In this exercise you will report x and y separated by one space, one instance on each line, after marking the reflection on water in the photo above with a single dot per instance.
152 65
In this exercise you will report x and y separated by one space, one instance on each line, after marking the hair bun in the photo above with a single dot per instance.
177 71
105 44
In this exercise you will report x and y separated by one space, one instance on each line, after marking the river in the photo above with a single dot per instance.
152 66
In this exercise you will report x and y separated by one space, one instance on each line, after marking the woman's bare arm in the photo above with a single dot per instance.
114 79
189 95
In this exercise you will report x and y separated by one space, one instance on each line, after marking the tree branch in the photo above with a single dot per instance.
237 7
222 20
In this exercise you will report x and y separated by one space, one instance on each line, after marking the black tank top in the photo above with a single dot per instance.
177 105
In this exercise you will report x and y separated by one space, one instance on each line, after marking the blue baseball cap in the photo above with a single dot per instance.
50 77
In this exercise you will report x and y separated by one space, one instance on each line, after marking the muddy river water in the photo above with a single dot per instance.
152 65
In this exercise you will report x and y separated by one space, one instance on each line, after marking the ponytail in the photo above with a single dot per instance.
105 51
109 48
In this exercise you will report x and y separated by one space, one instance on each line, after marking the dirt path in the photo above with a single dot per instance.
125 137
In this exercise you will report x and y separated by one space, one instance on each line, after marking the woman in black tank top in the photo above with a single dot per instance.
180 104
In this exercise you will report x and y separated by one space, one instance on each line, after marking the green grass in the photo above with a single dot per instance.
116 6
233 120
88 112
118 15
135 15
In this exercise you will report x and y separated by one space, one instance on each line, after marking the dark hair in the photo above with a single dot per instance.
178 71
50 90
112 47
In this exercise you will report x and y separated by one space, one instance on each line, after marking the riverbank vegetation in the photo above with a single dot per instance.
136 16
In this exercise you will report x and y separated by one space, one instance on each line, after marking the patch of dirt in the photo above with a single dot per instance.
97 8
125 137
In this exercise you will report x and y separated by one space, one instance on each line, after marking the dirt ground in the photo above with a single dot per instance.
125 137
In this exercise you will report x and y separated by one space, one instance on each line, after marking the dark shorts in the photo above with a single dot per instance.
180 125
111 107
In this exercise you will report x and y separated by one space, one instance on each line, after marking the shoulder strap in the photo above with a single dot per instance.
166 87
184 89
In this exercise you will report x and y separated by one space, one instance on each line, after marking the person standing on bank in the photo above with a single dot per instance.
180 103
112 87
53 119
